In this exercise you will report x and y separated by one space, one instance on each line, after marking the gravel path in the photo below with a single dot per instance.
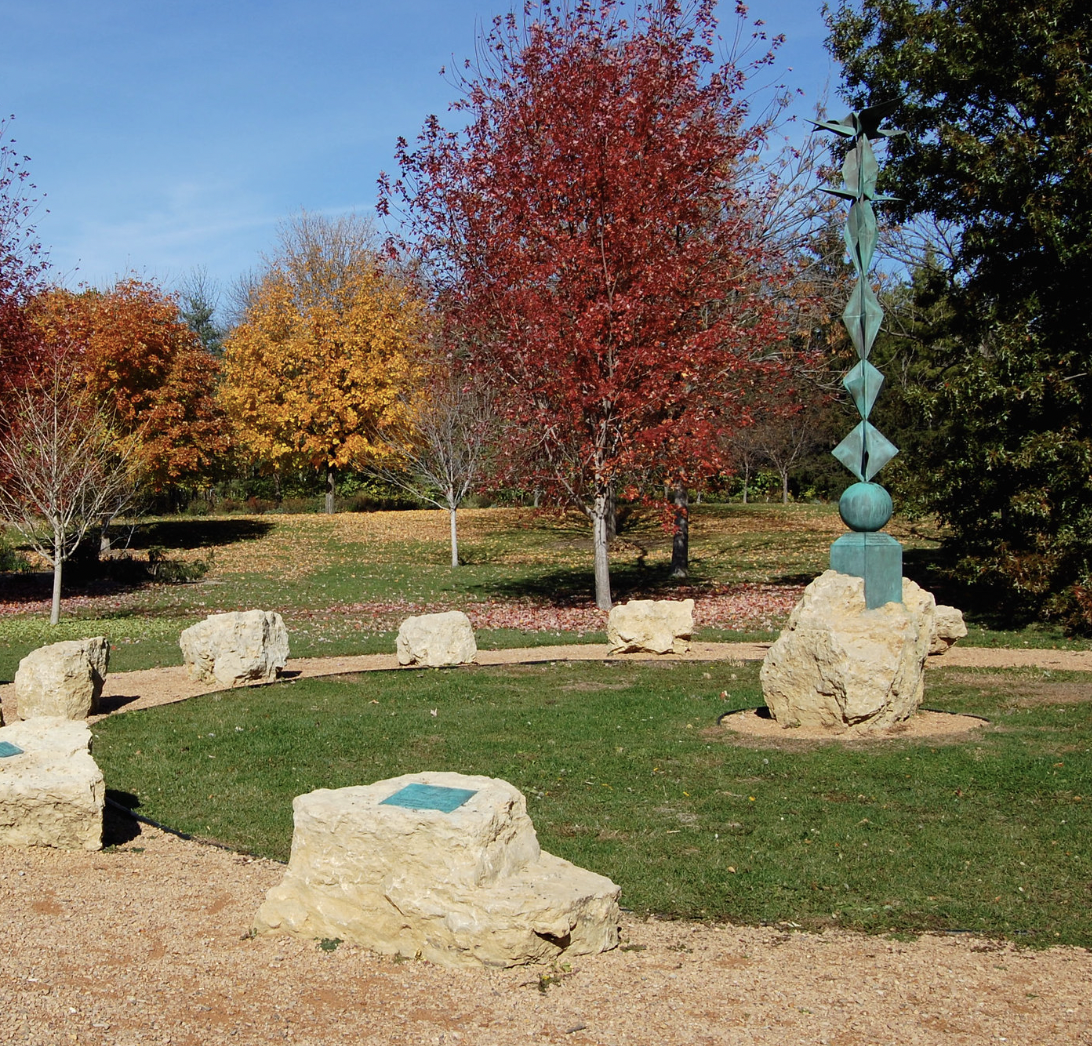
147 943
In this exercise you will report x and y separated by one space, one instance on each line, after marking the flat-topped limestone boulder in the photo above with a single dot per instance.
840 666
651 626
438 865
62 679
234 649
436 640
51 790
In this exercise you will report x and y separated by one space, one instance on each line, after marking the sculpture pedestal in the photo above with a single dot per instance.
875 557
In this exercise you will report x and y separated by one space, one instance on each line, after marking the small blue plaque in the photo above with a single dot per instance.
7 748
429 797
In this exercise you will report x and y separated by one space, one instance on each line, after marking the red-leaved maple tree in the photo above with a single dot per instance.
22 263
594 238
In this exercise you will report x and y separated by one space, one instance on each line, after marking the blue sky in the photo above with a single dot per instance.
166 136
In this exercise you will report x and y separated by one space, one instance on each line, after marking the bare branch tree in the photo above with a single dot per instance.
442 458
746 454
786 436
61 468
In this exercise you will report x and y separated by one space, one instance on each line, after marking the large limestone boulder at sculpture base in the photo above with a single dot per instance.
237 648
436 640
469 887
52 792
839 666
651 626
62 679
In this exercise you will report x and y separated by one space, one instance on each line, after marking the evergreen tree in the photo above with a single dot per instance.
199 298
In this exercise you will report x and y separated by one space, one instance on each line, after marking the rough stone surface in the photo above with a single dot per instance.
465 888
435 640
237 648
837 665
62 679
52 793
653 626
948 627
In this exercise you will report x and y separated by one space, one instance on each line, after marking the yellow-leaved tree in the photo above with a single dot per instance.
330 340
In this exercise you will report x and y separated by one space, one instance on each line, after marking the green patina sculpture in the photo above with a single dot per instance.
865 506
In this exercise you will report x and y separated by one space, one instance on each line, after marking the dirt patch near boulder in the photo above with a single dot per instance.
1029 688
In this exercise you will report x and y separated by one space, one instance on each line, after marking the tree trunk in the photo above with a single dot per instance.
680 544
600 542
746 481
454 539
785 487
612 513
330 490
58 564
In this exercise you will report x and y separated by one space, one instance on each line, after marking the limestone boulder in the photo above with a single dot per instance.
237 648
651 626
840 666
948 627
62 679
436 640
51 791
462 886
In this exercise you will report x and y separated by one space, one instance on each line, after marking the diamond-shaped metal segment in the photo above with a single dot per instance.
860 169
880 451
865 451
863 383
8 749
862 317
861 234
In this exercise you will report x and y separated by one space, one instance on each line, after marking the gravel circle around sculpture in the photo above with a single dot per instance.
925 723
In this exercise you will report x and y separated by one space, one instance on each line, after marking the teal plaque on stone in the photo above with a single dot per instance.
429 797
7 748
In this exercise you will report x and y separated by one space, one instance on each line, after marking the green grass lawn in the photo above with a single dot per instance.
626 772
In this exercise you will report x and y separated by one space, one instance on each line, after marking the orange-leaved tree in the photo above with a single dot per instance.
329 339
147 370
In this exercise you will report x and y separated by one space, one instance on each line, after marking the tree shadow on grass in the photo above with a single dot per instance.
87 575
793 579
576 587
198 533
